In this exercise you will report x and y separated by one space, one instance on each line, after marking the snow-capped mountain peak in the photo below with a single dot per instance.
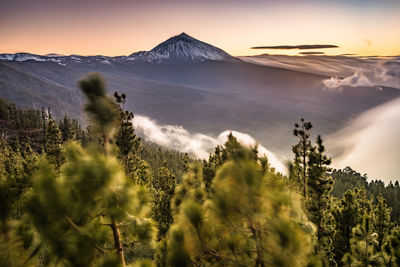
181 47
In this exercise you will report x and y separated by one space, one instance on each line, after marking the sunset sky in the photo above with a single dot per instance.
121 27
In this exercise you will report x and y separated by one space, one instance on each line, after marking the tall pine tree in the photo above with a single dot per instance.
301 152
53 142
248 220
318 203
163 189
91 207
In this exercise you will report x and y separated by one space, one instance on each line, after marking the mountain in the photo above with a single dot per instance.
186 82
181 48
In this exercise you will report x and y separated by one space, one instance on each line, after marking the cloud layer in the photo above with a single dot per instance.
300 47
382 71
196 144
357 79
371 144
312 53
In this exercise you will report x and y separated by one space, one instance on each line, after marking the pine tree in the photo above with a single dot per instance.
170 249
76 130
247 220
68 129
7 199
92 137
14 176
163 188
346 217
391 248
15 170
43 116
318 203
53 142
232 149
86 207
192 187
348 213
301 152
101 110
363 247
90 206
381 220
127 141
308 174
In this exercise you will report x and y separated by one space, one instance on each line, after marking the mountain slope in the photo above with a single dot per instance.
203 95
35 91
181 48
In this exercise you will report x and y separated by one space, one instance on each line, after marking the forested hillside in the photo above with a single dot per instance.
101 196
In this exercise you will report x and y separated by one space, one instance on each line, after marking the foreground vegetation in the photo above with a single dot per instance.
101 197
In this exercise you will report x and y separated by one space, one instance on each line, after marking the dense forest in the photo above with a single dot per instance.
100 196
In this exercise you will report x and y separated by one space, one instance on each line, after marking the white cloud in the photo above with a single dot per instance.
371 143
357 79
389 70
175 137
197 144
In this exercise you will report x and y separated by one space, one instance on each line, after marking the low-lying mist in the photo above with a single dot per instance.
370 143
196 144
344 70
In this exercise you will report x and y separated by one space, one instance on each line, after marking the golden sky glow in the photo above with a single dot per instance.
122 27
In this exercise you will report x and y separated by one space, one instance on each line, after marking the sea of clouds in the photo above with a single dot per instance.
197 144
342 70
370 143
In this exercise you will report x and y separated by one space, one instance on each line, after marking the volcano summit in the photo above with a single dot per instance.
181 47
